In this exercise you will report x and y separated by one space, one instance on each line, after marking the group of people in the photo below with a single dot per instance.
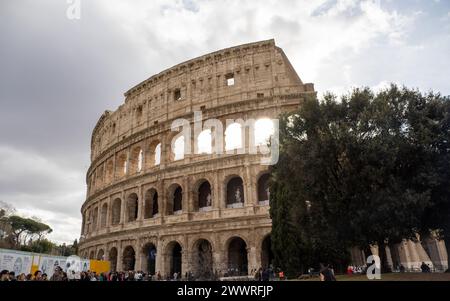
59 274
267 274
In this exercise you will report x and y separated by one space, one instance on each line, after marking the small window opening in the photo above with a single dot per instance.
230 79
177 94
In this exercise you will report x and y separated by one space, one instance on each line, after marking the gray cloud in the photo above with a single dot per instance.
57 75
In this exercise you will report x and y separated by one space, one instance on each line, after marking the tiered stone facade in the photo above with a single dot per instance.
204 213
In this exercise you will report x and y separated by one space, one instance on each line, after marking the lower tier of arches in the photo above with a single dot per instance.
205 255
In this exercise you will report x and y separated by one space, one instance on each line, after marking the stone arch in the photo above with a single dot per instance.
177 148
112 256
100 255
175 199
132 207
203 195
136 160
129 259
204 142
95 219
235 192
104 215
121 165
89 221
151 206
173 258
237 256
234 134
92 255
153 156
266 252
116 211
149 253
202 259
263 130
263 189
100 172
109 171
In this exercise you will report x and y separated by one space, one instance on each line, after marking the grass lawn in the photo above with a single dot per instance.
394 277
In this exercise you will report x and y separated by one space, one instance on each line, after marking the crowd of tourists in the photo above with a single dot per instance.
59 274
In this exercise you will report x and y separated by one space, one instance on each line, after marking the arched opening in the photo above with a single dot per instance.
235 193
266 252
233 136
202 260
157 155
92 255
95 219
121 165
151 203
129 259
149 252
153 154
204 196
89 222
237 257
101 255
132 207
99 173
136 160
175 201
115 217
174 259
109 171
178 148
204 142
113 259
103 215
264 189
264 129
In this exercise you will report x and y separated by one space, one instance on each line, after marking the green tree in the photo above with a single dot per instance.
363 166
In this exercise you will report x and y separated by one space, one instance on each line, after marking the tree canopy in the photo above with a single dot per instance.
368 168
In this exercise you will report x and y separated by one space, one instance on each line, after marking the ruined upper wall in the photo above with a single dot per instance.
258 69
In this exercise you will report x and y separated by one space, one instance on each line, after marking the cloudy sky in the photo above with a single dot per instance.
57 75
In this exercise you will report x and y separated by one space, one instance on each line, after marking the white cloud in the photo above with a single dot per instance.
168 33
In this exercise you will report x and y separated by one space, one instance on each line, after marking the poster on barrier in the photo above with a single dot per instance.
85 265
16 261
47 264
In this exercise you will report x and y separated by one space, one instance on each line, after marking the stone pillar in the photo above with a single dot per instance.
137 255
389 261
404 254
218 201
437 252
119 256
185 201
252 259
109 213
414 256
140 204
123 208
248 181
159 258
422 254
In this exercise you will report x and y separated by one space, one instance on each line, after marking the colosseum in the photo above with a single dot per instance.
150 207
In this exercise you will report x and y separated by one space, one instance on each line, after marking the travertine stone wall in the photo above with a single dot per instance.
123 177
